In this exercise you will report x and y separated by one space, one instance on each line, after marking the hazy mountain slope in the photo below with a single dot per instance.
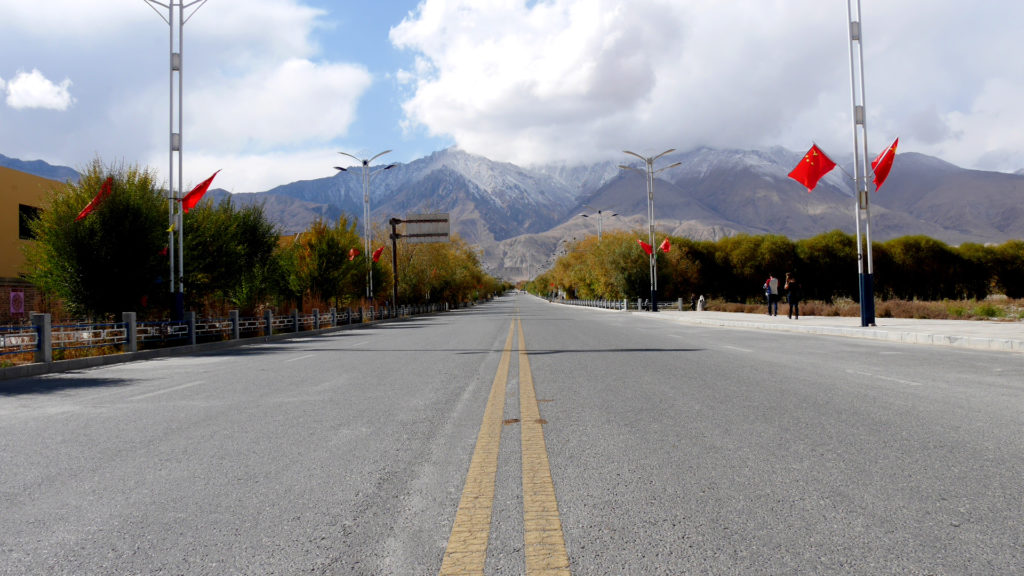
40 168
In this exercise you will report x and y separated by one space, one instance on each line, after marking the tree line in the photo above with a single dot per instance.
116 258
735 268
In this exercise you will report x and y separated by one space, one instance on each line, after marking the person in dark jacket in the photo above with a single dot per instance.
792 288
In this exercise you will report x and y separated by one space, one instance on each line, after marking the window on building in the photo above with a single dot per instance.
26 214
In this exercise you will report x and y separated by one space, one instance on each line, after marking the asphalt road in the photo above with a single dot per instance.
668 449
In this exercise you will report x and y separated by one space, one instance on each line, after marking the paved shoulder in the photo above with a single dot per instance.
976 334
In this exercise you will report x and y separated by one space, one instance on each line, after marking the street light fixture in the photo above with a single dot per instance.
599 224
367 174
650 173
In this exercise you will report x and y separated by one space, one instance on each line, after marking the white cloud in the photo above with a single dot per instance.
294 102
579 79
33 90
574 79
254 172
257 86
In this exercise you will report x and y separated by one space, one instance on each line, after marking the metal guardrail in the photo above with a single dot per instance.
41 338
148 332
79 336
18 339
622 304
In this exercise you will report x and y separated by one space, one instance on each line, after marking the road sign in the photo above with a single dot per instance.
422 228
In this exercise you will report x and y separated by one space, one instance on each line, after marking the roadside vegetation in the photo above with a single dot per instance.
915 276
116 257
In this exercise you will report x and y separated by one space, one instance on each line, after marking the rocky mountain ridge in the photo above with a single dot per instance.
520 216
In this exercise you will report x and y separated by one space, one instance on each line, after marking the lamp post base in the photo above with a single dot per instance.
179 307
867 299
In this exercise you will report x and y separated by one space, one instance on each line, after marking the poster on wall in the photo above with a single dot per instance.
17 302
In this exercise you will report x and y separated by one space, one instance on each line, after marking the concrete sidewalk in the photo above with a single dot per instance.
1005 336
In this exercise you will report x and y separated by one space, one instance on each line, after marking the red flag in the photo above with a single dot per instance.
665 246
647 247
377 253
192 198
883 164
353 253
164 251
813 167
104 192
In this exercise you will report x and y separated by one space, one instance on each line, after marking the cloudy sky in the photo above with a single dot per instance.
273 89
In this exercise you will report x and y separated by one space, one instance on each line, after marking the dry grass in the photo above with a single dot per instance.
995 308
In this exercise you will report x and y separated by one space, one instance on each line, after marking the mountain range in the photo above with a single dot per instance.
520 216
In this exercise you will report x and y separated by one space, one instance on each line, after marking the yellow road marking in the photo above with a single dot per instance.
542 527
467 546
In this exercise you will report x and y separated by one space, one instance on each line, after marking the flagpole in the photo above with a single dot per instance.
860 155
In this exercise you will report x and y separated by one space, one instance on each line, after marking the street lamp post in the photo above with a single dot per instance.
860 167
599 224
367 174
175 218
650 172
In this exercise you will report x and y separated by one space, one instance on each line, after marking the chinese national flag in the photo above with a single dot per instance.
353 253
104 192
647 247
665 246
192 198
883 164
813 167
377 253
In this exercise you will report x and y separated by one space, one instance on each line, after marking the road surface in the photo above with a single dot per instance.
521 437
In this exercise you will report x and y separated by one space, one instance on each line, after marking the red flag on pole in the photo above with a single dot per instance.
813 167
192 198
883 164
647 247
104 192
665 246
353 253
377 253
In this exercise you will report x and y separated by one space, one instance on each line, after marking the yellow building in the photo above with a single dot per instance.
21 197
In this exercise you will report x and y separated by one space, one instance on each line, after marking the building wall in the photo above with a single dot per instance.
17 189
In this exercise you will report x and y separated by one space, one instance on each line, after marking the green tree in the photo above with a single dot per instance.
318 268
228 255
828 266
109 261
976 275
1008 264
919 267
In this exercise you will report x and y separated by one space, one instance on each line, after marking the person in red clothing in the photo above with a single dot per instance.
771 294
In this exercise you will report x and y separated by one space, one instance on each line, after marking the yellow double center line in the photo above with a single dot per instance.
542 529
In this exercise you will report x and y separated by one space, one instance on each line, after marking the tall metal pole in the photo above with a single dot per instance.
394 262
860 166
600 223
366 211
652 258
175 214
